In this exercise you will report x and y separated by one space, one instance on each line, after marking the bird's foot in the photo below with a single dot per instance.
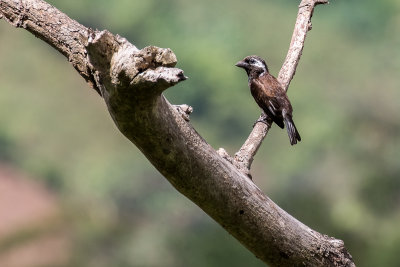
264 119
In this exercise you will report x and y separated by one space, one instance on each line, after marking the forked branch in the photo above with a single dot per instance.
131 82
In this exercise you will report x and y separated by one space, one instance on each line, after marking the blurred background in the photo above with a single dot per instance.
75 192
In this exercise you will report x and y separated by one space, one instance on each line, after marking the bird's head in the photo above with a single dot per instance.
253 64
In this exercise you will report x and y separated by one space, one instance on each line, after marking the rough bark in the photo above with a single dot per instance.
131 82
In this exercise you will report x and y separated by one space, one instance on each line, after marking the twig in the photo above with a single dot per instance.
244 157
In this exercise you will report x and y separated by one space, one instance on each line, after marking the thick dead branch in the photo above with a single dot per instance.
131 82
55 28
244 157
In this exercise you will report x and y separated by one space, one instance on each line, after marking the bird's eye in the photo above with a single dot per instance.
252 61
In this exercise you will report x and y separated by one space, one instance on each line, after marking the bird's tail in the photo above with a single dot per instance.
294 135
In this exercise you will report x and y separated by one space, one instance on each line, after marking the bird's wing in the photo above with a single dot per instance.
275 108
268 98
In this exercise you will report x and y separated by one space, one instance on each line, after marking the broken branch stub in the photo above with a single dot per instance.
119 65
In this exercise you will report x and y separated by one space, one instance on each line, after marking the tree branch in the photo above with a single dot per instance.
244 157
55 28
131 81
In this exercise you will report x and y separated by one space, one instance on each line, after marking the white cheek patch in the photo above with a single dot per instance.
259 64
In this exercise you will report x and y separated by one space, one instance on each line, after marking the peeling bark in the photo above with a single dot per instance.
131 82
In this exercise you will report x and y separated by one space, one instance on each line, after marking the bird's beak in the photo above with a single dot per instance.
242 64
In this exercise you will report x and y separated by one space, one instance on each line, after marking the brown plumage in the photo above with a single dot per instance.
269 95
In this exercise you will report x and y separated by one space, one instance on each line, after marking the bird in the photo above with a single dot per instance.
269 95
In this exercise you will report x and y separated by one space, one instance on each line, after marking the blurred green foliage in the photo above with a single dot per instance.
342 179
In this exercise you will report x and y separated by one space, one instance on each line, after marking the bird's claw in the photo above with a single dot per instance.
264 119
